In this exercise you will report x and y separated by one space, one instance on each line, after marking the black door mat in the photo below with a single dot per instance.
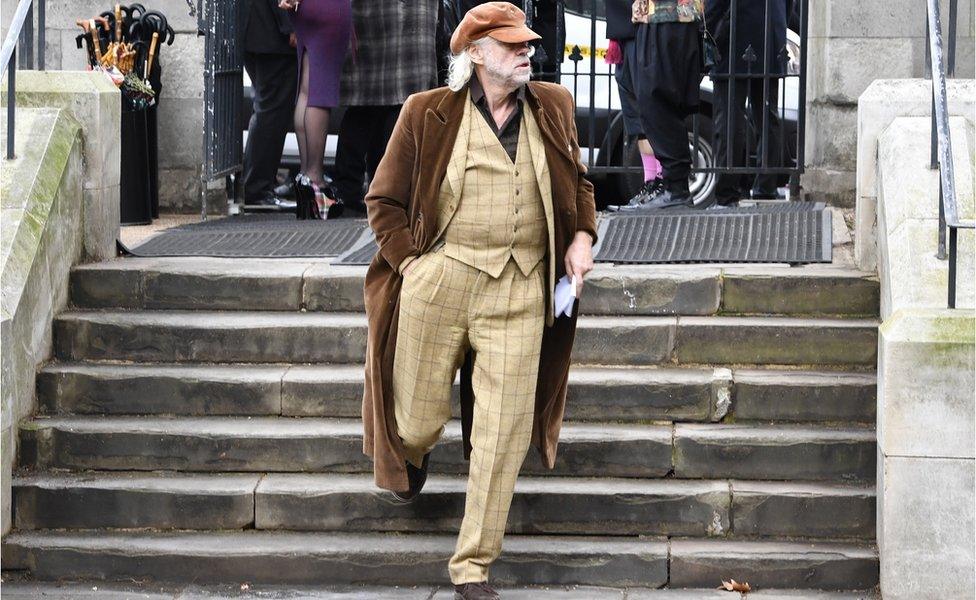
256 236
794 232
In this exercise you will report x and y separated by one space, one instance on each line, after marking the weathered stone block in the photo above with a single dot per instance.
925 384
773 565
926 528
650 290
792 509
160 501
773 452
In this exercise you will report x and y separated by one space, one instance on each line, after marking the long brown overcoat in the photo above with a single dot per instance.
402 210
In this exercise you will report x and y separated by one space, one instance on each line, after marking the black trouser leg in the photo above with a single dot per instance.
727 188
363 135
766 184
273 80
668 93
350 163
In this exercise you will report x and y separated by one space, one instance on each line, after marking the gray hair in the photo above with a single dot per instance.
460 66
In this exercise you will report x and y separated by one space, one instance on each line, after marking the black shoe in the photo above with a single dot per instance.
643 196
661 198
417 478
269 204
285 190
475 591
307 206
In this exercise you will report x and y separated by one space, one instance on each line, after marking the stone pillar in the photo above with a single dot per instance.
851 44
94 101
926 454
181 101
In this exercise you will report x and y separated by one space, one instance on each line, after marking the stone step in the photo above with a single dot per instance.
234 444
764 564
289 285
595 394
348 503
293 337
31 590
420 559
57 500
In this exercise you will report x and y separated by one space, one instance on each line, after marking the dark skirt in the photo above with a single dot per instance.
323 29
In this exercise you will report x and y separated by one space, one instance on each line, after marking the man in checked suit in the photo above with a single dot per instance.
478 206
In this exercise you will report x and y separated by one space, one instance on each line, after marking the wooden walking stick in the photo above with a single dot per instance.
98 45
118 23
152 53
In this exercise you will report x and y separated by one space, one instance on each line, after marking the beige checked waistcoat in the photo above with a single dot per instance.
499 213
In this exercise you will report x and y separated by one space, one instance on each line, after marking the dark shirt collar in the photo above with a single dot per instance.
478 92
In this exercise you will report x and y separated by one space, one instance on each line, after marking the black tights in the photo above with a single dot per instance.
311 128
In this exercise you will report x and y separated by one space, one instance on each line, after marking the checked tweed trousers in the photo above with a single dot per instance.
446 307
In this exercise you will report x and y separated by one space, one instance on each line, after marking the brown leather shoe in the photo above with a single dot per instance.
475 591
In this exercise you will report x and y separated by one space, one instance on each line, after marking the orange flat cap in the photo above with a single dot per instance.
499 20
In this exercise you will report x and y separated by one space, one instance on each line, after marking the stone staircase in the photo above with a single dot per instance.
200 424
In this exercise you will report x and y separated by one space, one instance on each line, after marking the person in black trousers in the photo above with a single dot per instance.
269 57
669 67
752 48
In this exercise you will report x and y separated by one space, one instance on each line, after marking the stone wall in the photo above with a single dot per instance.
42 239
851 44
926 430
181 101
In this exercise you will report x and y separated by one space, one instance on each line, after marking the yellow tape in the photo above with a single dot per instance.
585 51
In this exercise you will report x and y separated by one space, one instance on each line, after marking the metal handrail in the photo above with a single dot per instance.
942 142
17 34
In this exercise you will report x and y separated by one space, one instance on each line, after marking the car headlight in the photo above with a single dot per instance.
793 63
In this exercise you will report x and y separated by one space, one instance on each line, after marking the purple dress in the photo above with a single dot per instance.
322 28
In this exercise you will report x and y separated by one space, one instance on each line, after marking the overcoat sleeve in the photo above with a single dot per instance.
585 206
388 199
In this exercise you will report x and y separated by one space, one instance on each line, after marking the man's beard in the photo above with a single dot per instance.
498 73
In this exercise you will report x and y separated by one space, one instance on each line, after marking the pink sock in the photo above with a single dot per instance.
652 168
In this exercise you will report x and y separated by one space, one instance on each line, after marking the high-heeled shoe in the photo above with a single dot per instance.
305 197
329 204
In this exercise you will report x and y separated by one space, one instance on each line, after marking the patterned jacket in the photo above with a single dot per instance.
667 11
393 52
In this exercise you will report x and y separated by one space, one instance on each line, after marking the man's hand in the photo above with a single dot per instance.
579 259
292 40
289 4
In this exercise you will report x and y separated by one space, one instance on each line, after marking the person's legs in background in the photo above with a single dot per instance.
273 81
627 78
765 185
667 93
727 187
363 135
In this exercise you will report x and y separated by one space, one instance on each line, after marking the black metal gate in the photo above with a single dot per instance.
223 89
609 155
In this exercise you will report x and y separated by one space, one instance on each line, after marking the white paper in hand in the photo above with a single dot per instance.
565 295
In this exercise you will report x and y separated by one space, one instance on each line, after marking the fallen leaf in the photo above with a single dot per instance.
734 586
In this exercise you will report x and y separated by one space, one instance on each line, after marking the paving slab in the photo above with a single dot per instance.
802 509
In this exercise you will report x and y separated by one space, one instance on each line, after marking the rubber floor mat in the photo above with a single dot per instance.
795 233
256 236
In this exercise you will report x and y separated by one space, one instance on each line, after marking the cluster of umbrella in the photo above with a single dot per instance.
125 43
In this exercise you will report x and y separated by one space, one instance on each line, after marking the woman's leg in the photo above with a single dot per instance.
301 104
316 129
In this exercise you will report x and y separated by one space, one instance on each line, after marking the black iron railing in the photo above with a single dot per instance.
20 37
941 142
775 71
